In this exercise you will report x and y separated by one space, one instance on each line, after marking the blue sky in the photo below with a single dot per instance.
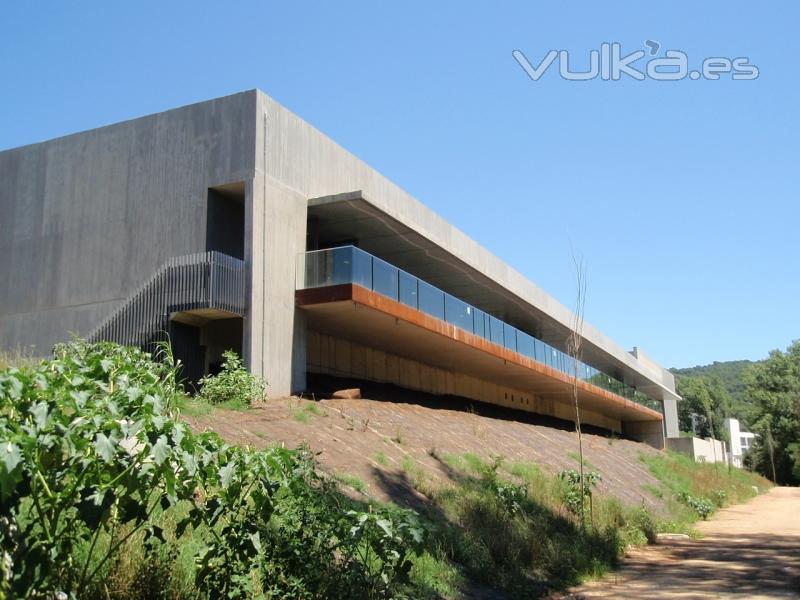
682 196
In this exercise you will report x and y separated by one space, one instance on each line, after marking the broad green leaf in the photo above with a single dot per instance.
104 447
255 539
160 450
226 474
385 525
80 398
39 413
189 463
14 387
11 456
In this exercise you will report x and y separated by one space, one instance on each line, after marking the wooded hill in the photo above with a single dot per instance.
729 374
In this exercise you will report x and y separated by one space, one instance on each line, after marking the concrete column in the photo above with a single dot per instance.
276 229
671 427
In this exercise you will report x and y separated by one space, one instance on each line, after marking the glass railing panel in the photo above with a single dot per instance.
431 300
510 337
385 278
458 313
525 345
496 330
552 357
349 264
538 350
408 292
559 364
570 365
362 268
331 267
478 325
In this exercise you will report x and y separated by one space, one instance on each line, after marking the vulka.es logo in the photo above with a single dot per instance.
609 64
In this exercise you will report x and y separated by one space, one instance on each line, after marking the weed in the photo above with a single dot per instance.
17 359
653 490
307 411
474 462
416 476
380 458
454 461
301 416
315 410
695 489
352 481
398 436
574 456
577 500
233 384
434 576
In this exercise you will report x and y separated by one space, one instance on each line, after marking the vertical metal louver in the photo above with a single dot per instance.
207 280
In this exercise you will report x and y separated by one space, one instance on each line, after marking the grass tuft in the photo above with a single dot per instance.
352 481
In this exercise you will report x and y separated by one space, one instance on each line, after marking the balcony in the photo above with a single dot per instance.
349 265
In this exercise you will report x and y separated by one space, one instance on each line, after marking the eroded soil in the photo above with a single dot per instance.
372 439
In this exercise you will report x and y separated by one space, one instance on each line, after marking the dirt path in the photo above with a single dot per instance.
748 551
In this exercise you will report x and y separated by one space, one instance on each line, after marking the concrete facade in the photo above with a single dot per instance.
741 441
701 450
86 219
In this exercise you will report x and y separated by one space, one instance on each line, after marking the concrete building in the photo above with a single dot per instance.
233 223
700 450
741 441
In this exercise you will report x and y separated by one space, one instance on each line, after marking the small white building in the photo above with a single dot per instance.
698 449
741 441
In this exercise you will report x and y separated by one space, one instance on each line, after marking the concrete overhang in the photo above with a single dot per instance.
477 277
355 313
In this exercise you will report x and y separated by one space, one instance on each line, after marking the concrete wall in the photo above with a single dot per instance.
309 163
343 358
86 218
650 432
701 450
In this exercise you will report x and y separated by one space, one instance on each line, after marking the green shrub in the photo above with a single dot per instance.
719 498
88 448
233 384
702 506
575 499
94 469
640 522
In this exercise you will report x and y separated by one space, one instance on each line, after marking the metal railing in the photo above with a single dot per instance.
183 283
348 264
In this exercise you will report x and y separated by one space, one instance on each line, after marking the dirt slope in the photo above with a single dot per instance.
371 439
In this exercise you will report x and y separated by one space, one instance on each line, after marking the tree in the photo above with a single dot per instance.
705 405
774 386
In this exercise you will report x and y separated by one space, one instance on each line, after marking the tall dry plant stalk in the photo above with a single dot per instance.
574 344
